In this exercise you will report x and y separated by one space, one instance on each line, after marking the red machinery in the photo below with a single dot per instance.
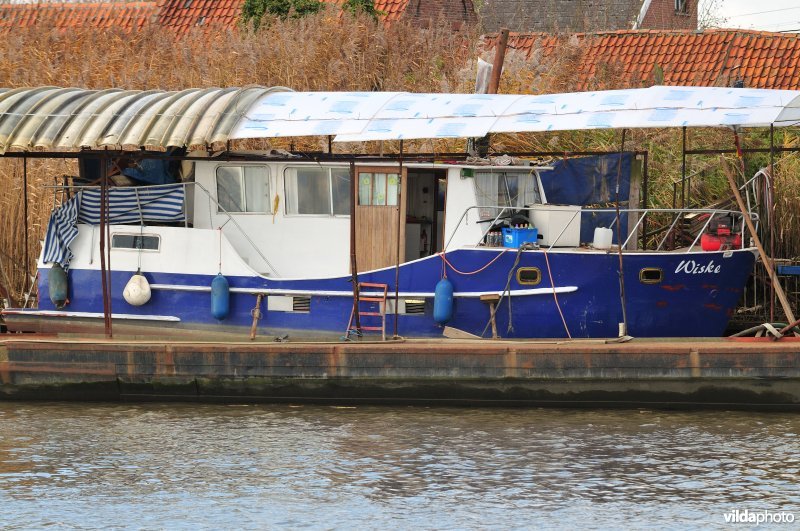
719 235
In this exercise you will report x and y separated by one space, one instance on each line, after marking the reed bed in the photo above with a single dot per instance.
325 51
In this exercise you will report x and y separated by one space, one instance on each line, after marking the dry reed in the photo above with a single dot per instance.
319 52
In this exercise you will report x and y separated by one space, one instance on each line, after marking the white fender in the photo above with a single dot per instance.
137 290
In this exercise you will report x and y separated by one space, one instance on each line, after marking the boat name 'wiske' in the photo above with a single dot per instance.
693 268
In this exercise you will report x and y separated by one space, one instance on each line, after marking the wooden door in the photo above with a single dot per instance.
380 212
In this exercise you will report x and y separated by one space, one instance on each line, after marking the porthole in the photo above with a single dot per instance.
529 276
651 275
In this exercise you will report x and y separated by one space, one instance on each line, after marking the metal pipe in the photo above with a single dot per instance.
103 223
624 331
635 228
400 198
702 231
683 169
325 157
367 157
645 197
770 214
25 220
499 59
677 217
353 260
236 224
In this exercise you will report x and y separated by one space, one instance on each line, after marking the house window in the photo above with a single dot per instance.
317 191
682 6
243 189
378 189
505 189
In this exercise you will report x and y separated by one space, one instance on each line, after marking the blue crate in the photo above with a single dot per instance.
789 270
514 238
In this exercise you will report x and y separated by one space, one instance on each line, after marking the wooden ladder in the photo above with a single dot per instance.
380 299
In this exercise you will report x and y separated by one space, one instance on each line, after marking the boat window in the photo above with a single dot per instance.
145 242
529 276
378 189
243 188
317 191
505 189
651 275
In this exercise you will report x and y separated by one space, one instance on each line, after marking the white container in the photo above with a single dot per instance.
559 225
602 238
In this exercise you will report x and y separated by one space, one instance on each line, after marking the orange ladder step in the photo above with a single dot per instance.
383 290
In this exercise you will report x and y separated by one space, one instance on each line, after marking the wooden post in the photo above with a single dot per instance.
256 316
492 299
768 264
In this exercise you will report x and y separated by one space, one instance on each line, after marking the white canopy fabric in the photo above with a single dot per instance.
50 118
360 116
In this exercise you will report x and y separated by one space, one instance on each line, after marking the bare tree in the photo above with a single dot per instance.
709 14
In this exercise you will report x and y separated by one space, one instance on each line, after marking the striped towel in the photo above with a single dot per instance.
61 230
134 204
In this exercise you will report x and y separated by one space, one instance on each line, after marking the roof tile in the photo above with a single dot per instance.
64 15
711 57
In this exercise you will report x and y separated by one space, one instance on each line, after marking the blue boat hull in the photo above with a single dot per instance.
695 297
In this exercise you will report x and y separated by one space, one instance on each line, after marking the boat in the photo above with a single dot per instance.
272 244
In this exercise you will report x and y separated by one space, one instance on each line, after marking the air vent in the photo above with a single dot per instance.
301 304
414 306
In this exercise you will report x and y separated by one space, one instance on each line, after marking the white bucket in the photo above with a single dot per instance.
602 238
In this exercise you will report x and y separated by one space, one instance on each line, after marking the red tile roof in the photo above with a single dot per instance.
179 15
128 16
183 15
708 58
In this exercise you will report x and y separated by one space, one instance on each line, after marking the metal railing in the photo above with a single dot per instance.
673 214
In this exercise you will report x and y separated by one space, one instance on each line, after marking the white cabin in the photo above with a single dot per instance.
292 219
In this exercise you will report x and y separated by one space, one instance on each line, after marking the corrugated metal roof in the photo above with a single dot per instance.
52 118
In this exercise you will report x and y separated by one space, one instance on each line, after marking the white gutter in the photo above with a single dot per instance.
637 24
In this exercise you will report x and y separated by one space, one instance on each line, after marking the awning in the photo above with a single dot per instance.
51 118
358 116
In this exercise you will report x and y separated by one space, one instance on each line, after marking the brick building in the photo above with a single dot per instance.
570 16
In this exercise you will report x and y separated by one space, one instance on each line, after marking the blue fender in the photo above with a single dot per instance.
220 297
443 302
58 286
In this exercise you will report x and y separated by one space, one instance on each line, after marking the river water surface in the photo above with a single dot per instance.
179 466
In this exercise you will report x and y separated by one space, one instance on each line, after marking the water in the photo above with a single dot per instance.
180 466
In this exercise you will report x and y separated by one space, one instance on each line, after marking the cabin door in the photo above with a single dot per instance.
380 211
